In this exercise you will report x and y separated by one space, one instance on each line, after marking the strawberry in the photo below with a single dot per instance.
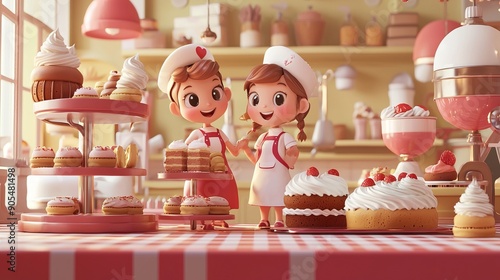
368 182
333 171
390 179
312 171
401 108
412 175
448 157
401 175
379 177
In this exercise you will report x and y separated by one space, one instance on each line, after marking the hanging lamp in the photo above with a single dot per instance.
112 20
208 36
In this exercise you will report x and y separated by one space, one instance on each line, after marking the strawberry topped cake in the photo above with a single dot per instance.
391 203
443 170
315 200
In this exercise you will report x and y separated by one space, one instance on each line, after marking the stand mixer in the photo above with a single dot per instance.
467 89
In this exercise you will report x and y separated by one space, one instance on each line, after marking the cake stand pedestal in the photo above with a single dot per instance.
82 114
193 177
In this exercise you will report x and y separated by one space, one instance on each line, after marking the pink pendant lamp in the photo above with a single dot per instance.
111 19
426 43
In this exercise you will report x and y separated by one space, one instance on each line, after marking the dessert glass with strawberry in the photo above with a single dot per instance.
408 132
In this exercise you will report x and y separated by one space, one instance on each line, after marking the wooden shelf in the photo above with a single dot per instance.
237 55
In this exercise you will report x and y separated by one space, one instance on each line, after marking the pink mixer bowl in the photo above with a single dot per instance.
409 136
468 112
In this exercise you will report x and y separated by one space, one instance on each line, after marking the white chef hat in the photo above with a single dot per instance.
296 65
182 56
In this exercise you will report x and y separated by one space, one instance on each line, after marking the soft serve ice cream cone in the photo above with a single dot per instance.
132 82
55 74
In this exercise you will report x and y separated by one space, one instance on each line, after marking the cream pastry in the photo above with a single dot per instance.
132 82
42 157
85 92
474 213
68 157
195 205
55 74
63 205
102 157
122 205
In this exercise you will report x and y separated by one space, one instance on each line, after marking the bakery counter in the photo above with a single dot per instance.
240 252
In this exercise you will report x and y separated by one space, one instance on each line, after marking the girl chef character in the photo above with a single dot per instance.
278 92
191 78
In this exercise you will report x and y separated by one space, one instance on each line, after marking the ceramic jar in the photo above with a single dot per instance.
309 28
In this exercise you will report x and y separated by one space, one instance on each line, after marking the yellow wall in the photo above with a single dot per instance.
373 76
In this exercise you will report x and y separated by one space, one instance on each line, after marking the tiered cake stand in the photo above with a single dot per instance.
82 114
194 177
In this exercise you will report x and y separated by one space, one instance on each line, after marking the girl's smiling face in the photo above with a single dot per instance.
274 104
202 101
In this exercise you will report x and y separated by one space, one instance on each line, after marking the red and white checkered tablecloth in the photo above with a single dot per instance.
178 253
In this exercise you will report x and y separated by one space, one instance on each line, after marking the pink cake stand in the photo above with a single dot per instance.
82 114
409 138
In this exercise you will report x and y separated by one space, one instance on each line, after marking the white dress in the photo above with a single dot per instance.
270 175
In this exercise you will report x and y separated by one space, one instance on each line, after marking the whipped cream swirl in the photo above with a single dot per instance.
177 145
324 184
133 74
405 194
198 144
474 202
55 53
418 111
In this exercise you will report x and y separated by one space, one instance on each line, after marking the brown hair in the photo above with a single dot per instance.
200 70
270 73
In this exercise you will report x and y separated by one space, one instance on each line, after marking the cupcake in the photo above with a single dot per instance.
474 213
42 157
68 157
55 74
86 92
132 82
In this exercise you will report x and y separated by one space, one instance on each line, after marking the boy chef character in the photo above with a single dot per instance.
278 92
191 78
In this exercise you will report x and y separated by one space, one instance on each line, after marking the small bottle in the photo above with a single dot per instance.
348 32
279 32
373 33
